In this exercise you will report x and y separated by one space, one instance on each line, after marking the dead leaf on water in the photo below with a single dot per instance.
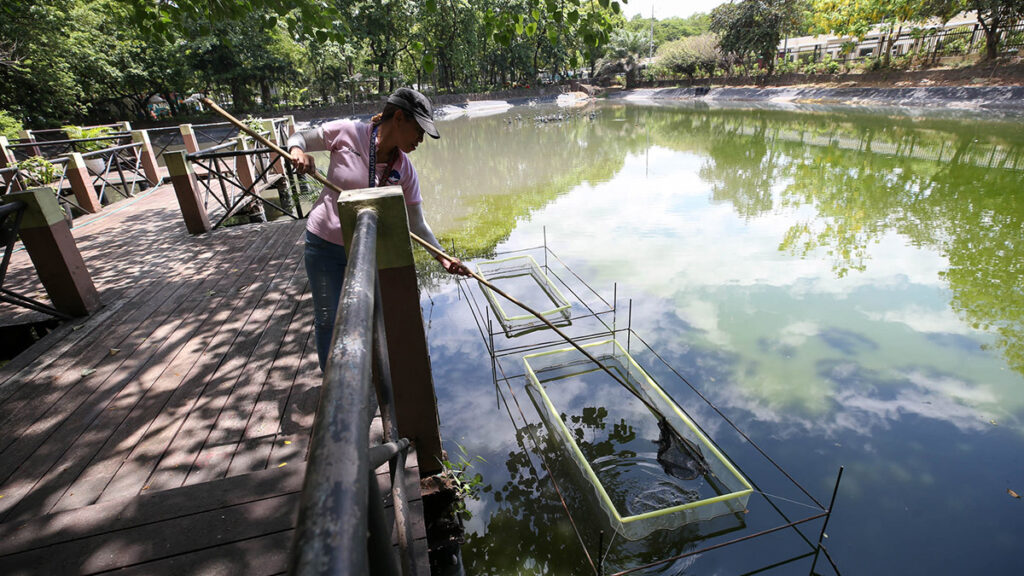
88 371
1012 493
993 422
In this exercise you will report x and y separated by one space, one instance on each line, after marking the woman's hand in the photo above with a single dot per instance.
454 266
304 163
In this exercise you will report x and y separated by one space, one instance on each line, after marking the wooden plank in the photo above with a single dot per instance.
299 406
134 424
128 512
265 423
17 395
59 403
223 440
157 540
240 340
64 483
184 380
259 556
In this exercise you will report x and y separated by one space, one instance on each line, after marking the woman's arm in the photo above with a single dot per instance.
304 141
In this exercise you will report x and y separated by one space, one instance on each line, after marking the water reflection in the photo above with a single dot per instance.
848 285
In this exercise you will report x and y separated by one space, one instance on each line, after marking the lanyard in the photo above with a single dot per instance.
373 159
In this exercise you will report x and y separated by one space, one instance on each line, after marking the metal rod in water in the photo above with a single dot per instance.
545 229
824 525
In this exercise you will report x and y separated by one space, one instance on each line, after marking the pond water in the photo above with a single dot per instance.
846 286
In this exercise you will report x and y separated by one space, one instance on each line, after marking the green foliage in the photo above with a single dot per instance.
39 170
671 29
78 132
754 27
466 485
691 56
9 125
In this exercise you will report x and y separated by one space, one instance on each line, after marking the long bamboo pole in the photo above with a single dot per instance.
435 251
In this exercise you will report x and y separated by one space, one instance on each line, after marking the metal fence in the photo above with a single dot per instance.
924 43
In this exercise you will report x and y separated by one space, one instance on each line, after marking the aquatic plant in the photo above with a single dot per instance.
79 133
464 485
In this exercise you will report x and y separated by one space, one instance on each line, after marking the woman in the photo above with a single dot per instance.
355 146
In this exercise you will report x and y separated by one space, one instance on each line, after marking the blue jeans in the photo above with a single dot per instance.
325 268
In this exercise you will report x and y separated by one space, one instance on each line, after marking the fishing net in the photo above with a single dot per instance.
523 278
646 469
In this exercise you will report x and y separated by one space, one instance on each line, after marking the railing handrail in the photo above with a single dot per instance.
29 144
340 501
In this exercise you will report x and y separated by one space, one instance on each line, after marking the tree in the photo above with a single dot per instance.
860 18
994 16
754 27
623 49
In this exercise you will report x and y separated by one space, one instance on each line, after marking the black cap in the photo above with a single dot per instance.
416 104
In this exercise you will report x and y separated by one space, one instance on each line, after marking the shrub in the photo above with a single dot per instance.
39 170
9 125
78 133
691 56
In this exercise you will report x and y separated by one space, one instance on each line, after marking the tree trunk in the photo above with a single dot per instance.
265 92
991 43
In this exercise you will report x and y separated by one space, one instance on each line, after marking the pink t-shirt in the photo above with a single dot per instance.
349 144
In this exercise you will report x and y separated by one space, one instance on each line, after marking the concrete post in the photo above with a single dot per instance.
149 164
186 188
7 160
278 166
81 183
412 381
189 136
53 251
27 136
243 163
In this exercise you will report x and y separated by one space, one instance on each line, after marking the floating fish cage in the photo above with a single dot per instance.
522 277
706 484
625 495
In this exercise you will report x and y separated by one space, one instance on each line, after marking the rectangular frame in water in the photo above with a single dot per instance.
523 265
737 488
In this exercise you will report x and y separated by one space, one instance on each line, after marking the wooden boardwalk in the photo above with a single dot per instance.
166 433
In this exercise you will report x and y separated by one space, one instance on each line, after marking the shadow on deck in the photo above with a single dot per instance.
167 432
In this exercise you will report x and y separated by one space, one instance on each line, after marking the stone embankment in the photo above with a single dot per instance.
997 98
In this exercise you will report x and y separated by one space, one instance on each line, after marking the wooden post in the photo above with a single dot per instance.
27 136
189 136
53 251
278 166
149 164
81 183
186 188
412 381
125 125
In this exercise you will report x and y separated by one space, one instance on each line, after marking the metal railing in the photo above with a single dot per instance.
23 149
341 526
126 162
224 183
165 139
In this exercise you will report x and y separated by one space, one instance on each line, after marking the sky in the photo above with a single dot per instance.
669 8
